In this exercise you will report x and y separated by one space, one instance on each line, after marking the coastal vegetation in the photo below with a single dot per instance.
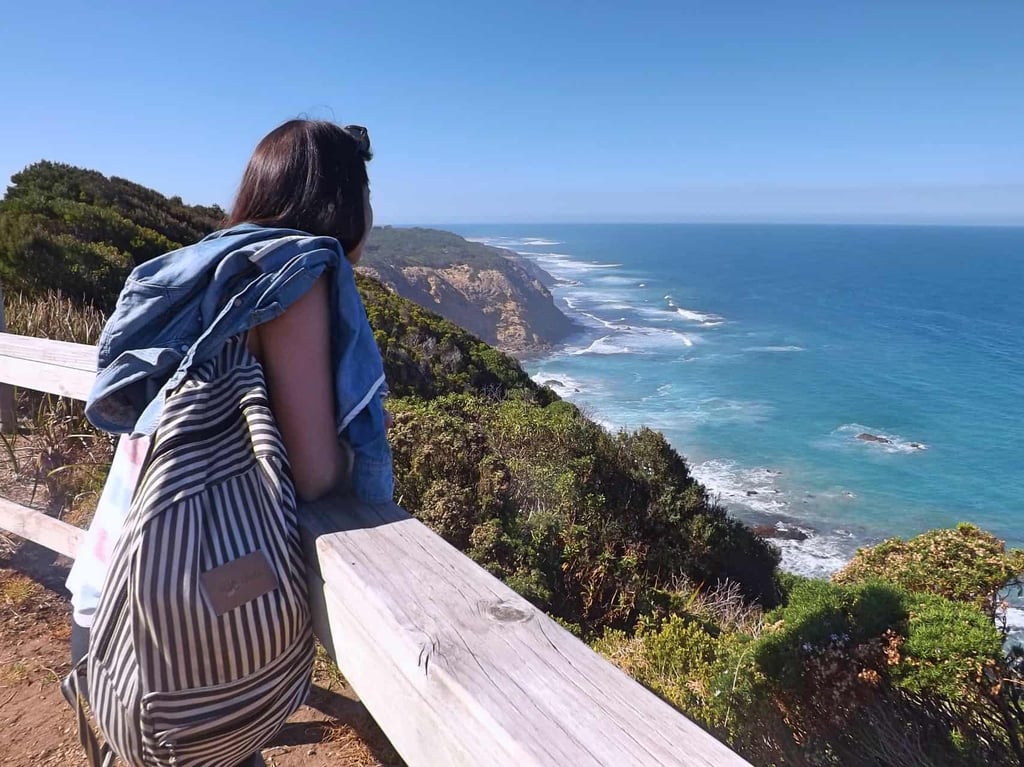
898 660
497 296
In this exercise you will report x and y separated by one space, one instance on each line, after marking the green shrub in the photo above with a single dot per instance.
819 617
964 564
952 649
590 526
79 232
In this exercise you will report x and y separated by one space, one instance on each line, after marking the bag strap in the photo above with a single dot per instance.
98 756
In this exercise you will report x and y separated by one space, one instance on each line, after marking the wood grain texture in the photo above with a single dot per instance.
40 528
55 367
456 667
486 678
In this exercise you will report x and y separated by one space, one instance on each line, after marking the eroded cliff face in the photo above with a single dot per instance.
505 308
477 287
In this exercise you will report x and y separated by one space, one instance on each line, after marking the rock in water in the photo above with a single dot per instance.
874 438
784 533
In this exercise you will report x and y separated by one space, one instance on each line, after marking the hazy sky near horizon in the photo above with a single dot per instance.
884 112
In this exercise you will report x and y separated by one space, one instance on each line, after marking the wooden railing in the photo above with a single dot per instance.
457 669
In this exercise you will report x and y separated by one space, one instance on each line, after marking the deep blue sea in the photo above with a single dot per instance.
763 352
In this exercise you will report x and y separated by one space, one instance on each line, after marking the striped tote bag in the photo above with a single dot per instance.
201 646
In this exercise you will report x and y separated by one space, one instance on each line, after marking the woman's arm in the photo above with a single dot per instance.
295 350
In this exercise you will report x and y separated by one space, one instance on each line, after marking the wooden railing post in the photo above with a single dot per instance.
8 415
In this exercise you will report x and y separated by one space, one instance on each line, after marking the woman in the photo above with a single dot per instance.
279 277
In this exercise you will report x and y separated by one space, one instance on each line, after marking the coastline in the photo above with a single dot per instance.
816 524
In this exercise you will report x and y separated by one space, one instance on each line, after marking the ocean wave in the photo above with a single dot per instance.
724 409
775 349
1015 625
614 280
564 386
601 346
567 262
879 439
537 255
605 323
508 242
818 556
755 492
693 316
633 339
754 489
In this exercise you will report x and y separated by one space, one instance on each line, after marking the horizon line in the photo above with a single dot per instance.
579 222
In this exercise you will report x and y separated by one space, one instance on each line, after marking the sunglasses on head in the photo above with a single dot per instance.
361 136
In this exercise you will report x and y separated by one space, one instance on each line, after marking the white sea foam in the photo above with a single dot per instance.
754 489
692 316
564 386
633 339
602 345
819 556
584 266
885 441
614 279
604 323
510 242
774 349
1015 625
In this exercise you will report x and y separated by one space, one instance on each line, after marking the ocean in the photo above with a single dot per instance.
843 383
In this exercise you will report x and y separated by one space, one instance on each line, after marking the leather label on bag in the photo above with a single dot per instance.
239 581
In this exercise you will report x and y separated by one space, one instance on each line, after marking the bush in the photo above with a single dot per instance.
952 650
590 526
820 618
706 674
964 564
79 232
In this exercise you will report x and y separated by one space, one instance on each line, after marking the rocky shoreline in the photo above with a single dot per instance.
491 292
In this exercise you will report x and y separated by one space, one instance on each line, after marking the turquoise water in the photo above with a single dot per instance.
762 352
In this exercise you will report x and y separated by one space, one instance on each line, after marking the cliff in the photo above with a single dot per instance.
485 290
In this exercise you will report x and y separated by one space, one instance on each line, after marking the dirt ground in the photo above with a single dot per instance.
37 728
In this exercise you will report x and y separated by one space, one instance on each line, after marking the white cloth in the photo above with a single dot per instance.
85 581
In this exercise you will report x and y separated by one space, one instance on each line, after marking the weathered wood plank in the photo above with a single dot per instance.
40 528
485 677
55 367
455 666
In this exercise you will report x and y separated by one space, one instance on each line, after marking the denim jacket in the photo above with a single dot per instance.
177 311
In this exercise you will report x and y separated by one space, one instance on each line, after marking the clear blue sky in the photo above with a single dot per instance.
546 111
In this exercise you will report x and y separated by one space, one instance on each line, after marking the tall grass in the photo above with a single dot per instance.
55 445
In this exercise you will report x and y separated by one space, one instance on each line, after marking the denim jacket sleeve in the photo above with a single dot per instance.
372 472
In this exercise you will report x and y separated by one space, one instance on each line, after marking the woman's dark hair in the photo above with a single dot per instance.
307 175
